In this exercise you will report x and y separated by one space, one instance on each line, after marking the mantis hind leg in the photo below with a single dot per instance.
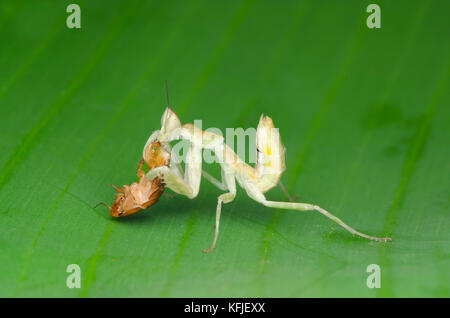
311 207
259 197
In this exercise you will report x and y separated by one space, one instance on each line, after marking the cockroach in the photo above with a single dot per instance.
140 195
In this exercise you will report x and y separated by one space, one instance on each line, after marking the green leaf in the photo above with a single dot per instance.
362 112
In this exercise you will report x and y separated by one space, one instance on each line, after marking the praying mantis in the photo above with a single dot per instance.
256 181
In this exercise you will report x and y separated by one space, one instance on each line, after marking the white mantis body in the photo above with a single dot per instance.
255 181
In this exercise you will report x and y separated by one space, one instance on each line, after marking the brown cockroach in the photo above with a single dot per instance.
143 194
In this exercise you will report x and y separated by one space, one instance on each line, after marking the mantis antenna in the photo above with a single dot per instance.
167 88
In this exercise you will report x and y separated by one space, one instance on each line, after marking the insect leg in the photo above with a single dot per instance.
116 188
190 184
223 198
102 203
172 181
175 160
258 196
283 188
311 207
214 181
140 171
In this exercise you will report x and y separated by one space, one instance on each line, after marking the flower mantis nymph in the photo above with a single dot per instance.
270 164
